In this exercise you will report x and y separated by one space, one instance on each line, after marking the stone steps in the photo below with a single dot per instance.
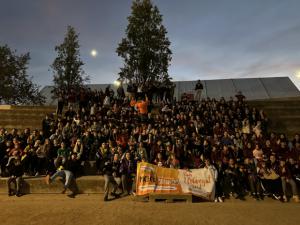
284 115
87 184
37 185
25 114
22 117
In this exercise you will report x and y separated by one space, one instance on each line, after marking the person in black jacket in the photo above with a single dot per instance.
15 176
74 165
111 176
198 89
127 170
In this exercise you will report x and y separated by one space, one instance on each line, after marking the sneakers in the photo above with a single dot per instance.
276 197
115 195
241 197
124 194
218 199
71 195
285 198
261 196
296 198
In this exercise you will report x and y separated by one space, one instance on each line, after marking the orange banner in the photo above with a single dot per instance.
154 179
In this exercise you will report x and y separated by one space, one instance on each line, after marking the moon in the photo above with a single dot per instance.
94 53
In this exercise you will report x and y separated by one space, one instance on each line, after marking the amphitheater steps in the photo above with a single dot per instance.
22 117
284 114
37 185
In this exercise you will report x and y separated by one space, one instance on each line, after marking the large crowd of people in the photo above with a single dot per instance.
118 131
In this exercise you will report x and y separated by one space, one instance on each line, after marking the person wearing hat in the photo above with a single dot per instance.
68 180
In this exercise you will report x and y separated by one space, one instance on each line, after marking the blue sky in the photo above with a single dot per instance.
210 39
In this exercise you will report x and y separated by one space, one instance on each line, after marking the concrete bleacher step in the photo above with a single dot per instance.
37 185
283 114
87 184
19 119
89 167
22 117
25 114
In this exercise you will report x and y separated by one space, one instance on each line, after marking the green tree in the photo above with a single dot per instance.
16 87
145 49
67 66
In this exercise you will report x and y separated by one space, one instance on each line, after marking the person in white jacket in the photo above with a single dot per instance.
214 171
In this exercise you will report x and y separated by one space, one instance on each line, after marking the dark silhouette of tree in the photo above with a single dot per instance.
16 87
67 66
145 49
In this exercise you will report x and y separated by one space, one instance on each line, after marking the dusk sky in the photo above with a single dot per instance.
210 39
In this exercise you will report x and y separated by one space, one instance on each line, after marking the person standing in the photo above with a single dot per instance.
121 92
287 178
142 108
111 176
212 168
15 176
127 170
60 103
198 89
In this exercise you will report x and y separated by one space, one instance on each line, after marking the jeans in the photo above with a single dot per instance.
284 182
17 181
114 181
255 185
125 183
198 95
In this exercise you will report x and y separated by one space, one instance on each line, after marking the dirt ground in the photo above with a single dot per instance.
54 209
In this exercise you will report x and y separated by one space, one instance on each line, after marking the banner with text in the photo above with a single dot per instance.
154 179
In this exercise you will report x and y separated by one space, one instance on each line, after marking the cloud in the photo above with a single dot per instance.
210 38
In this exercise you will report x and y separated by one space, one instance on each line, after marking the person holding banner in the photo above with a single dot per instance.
212 168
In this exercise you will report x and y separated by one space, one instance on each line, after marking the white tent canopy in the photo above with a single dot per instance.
252 88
